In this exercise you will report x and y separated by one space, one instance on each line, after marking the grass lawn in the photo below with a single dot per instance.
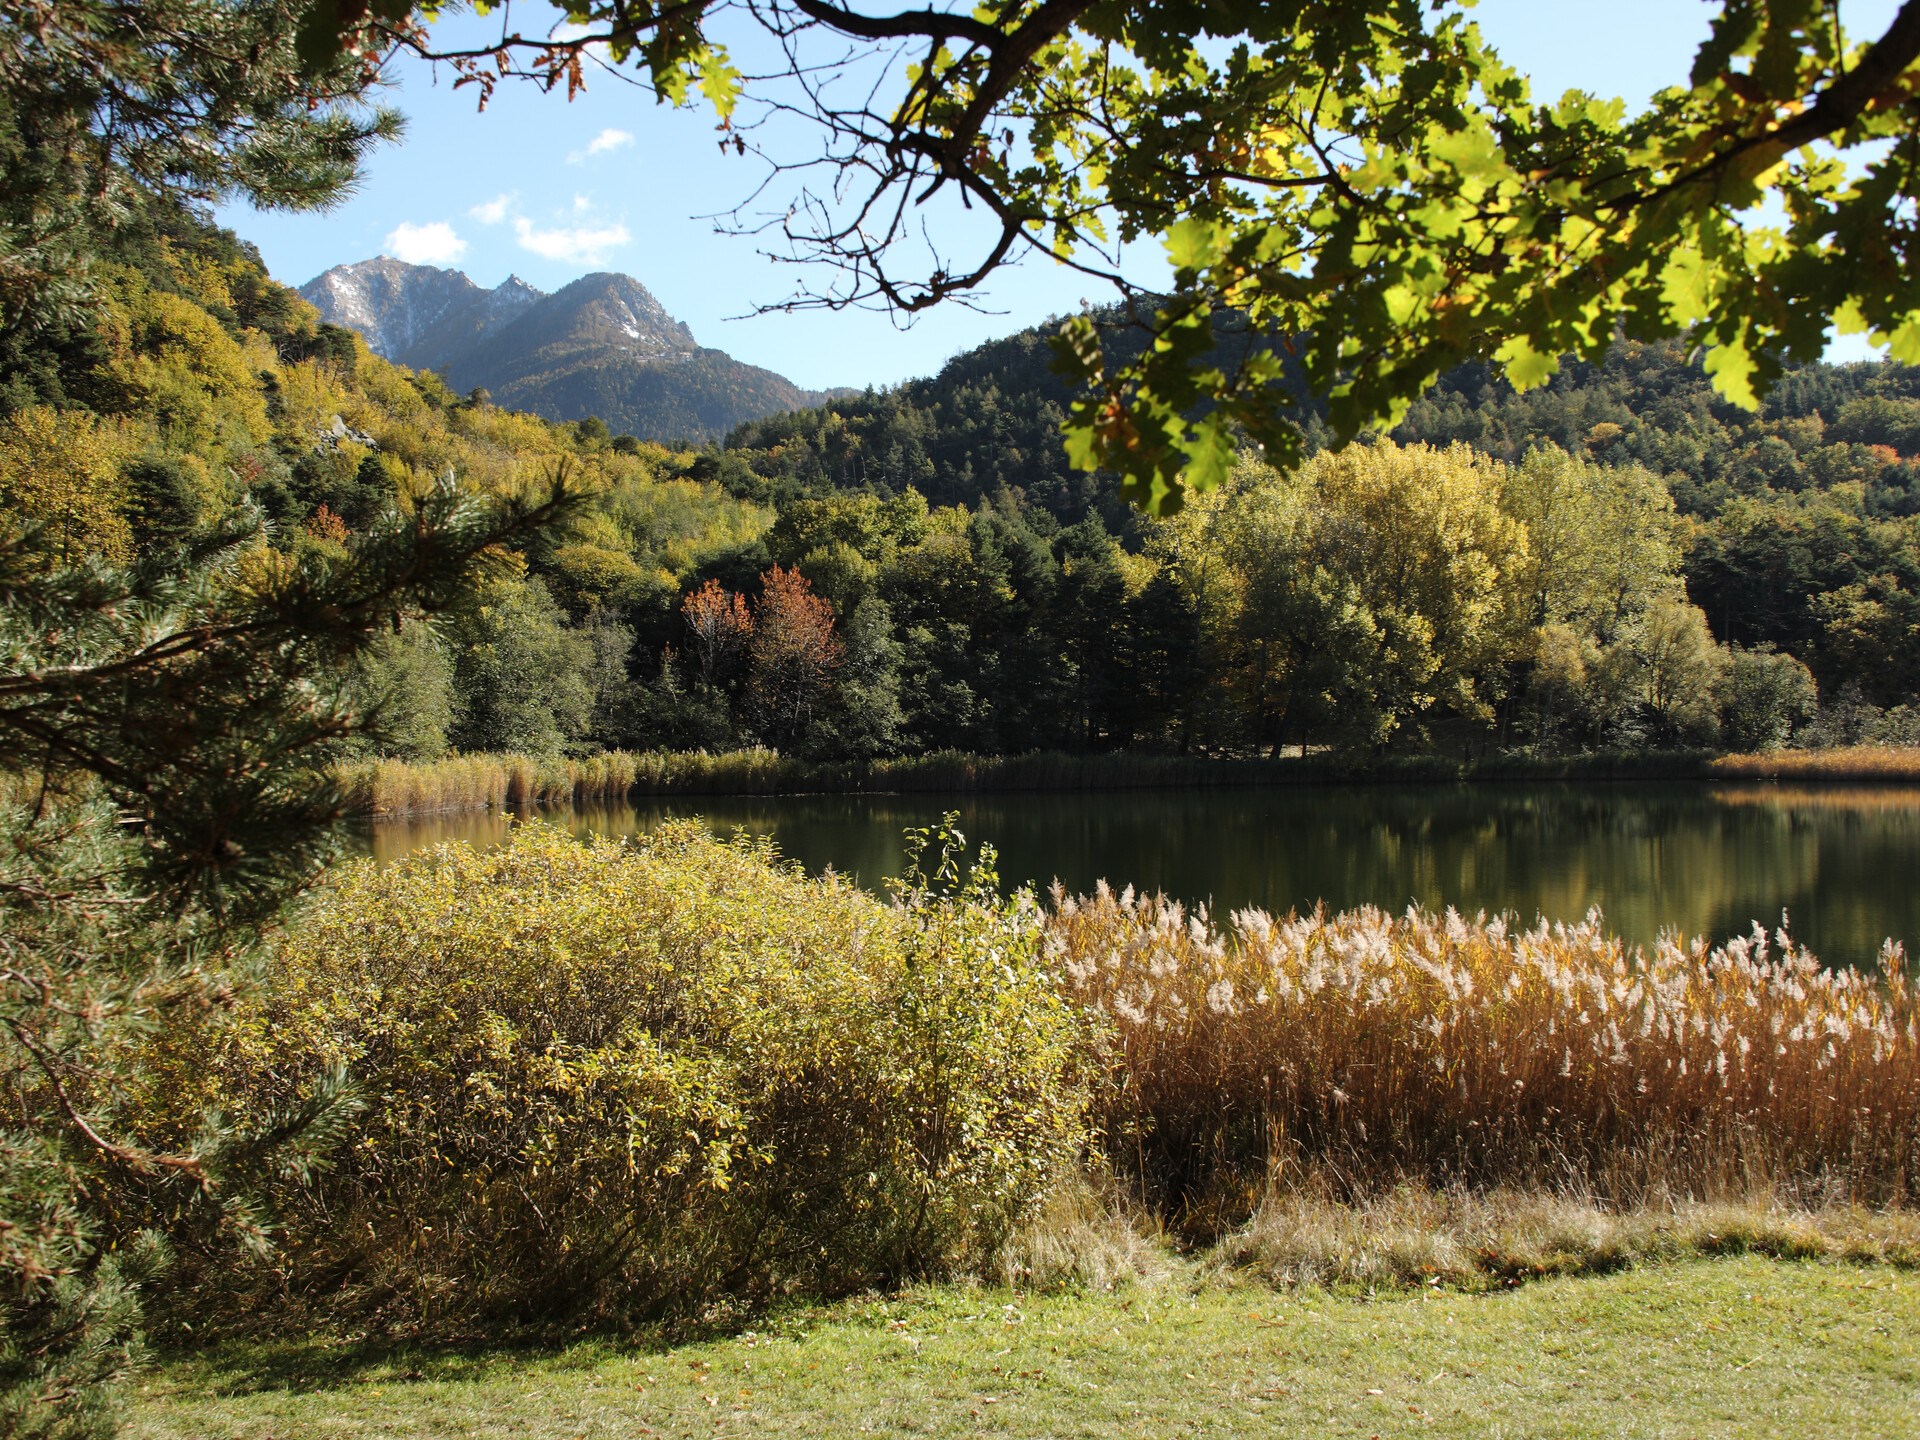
1707 1348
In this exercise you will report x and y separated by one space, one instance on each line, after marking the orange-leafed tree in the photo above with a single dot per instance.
323 524
791 656
719 625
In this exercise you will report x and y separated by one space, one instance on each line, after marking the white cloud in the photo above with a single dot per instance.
432 244
582 204
492 212
606 140
583 243
568 30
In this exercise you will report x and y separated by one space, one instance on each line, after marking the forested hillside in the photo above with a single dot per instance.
1792 527
1615 560
984 421
199 387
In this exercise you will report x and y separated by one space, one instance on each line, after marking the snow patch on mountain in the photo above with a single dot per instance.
396 306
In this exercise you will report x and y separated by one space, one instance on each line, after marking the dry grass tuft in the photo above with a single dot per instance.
1414 1235
1086 1235
1314 1230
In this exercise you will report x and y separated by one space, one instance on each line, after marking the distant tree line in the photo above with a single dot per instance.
1617 559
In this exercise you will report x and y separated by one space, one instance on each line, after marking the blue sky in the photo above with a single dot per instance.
550 191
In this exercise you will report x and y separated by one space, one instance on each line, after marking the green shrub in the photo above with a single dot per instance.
628 1078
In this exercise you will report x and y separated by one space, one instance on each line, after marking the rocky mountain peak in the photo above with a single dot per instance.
619 312
390 302
602 345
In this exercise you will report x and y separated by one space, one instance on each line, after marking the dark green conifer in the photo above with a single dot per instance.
167 725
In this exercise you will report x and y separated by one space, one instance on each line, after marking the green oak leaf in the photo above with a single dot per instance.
1733 367
1526 367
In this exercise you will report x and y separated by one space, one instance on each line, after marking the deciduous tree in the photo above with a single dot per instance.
791 657
63 472
719 626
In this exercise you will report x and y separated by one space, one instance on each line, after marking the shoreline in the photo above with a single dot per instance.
390 789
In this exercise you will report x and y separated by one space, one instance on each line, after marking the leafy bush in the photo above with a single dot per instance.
629 1078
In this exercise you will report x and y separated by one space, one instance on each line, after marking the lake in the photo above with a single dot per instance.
1843 862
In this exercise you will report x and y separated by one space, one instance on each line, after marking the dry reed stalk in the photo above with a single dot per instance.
1475 1052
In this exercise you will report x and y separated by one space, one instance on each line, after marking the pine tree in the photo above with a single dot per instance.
171 697
108 105
166 733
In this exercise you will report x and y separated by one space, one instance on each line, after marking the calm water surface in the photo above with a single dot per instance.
1843 863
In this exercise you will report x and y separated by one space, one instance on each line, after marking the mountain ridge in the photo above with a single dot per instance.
601 346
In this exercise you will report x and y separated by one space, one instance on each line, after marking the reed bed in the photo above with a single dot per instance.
482 782
495 781
393 787
1052 770
1441 1051
1850 762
